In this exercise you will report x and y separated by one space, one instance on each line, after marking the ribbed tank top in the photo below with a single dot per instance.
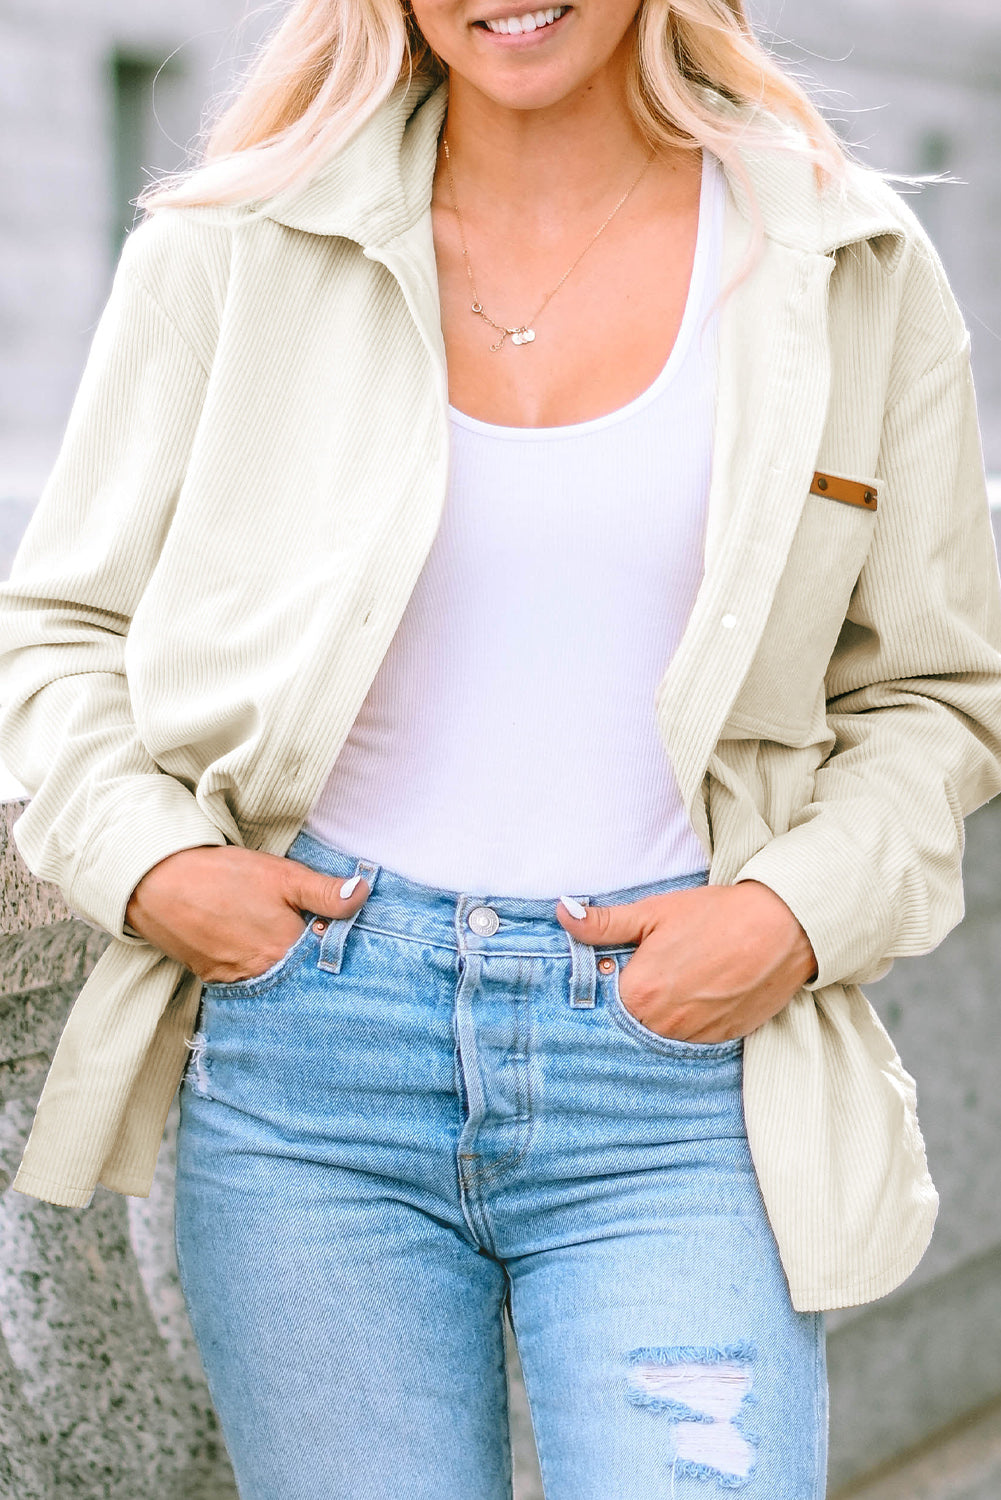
508 743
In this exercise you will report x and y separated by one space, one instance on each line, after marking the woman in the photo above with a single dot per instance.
460 439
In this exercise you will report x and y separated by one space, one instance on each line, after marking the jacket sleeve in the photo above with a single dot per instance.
101 813
872 867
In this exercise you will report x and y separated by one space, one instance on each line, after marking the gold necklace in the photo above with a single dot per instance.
525 332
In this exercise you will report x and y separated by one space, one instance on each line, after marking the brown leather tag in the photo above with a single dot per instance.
831 487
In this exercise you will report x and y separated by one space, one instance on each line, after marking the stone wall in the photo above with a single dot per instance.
101 1391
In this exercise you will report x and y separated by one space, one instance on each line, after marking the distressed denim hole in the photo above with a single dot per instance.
701 1392
196 1075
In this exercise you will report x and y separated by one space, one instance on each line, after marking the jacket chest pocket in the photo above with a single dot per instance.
783 692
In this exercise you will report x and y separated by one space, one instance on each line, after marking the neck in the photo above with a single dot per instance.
542 166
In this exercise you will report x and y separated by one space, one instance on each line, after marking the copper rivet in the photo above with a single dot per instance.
320 926
606 965
822 484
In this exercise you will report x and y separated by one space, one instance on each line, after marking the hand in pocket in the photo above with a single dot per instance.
711 964
230 914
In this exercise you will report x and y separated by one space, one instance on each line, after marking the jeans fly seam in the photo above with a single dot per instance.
523 1092
475 1097
510 1158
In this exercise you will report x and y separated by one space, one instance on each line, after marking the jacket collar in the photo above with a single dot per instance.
379 185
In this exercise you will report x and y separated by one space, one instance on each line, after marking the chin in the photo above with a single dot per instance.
545 87
528 98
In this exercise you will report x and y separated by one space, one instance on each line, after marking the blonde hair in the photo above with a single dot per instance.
330 64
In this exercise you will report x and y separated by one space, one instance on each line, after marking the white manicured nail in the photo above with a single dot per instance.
350 886
574 907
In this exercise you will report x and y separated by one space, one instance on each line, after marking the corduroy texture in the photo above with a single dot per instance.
250 483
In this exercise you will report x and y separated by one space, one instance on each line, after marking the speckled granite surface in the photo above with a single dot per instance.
24 901
102 1396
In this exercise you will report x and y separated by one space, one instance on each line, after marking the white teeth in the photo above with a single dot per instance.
531 21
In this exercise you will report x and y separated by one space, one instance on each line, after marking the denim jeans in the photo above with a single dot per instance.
441 1107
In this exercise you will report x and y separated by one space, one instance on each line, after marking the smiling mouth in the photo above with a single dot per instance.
532 20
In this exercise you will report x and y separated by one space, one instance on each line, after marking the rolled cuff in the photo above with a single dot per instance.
152 817
835 896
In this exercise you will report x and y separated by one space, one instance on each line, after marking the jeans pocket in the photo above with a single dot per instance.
666 1046
237 988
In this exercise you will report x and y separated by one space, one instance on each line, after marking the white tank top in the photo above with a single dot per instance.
508 744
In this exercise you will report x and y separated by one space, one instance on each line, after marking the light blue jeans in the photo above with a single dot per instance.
443 1106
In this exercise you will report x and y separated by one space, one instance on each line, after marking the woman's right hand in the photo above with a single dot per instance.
228 913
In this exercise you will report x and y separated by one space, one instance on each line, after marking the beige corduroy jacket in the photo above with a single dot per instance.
249 485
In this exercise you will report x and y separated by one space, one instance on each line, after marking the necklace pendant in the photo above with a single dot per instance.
522 335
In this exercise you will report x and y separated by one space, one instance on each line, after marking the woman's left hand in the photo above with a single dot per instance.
712 963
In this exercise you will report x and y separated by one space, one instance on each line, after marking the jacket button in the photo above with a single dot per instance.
607 965
821 482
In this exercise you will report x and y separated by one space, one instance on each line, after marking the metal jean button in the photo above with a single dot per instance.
483 920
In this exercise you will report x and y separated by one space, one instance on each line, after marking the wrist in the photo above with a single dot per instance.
799 950
135 905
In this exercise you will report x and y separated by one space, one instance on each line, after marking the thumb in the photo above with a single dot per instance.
310 891
603 925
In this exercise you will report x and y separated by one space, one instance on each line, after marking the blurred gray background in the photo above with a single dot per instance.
94 94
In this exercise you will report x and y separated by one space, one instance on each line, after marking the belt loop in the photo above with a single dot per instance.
336 935
583 970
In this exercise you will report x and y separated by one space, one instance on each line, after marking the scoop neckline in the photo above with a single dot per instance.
708 205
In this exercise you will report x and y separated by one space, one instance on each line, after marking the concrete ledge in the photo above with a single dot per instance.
961 1463
905 1368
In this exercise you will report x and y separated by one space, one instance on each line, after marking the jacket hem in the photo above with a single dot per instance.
858 1290
64 1196
50 1191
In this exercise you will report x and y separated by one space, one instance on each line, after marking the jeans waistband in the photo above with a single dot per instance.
483 921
